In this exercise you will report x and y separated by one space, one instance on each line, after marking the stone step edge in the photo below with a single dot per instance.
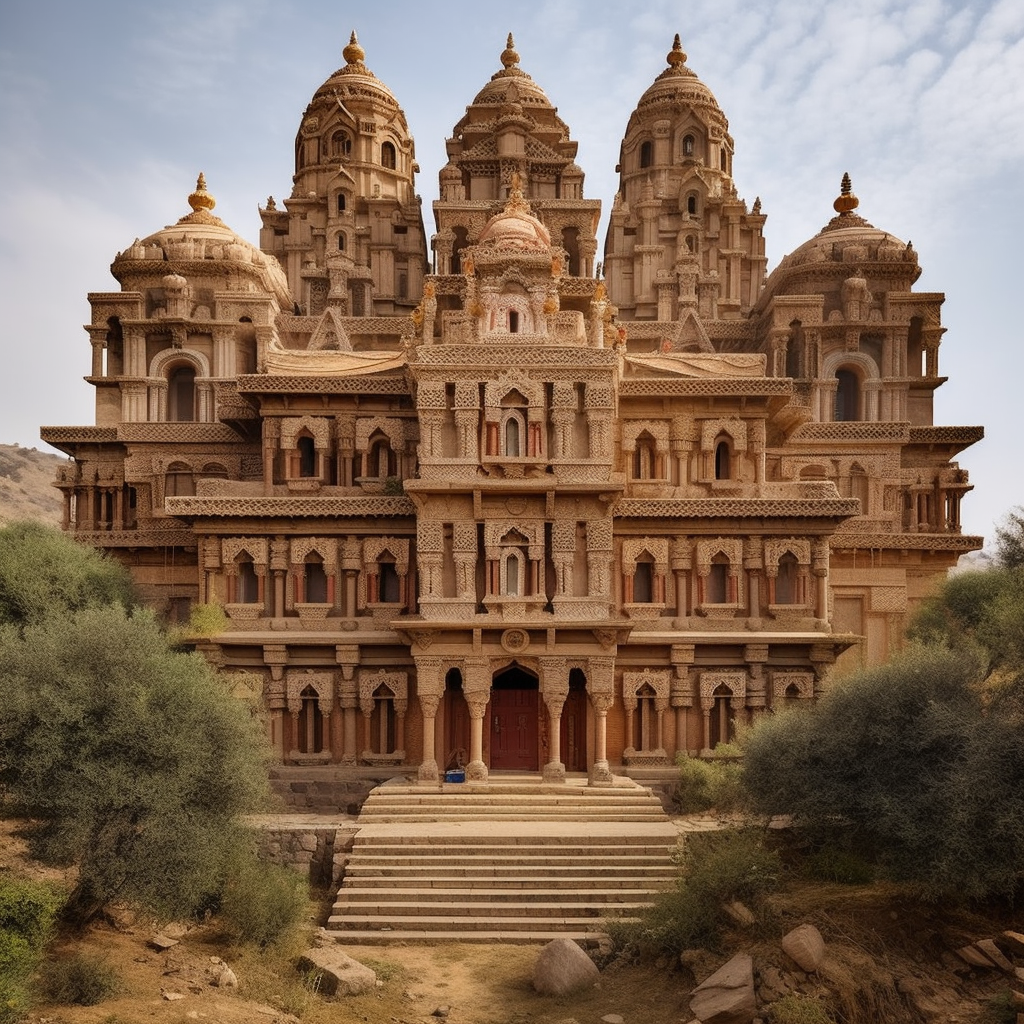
377 938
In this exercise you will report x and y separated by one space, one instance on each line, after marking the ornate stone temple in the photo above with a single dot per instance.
494 507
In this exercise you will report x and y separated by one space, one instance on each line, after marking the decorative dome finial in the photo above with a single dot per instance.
847 202
676 55
353 53
509 57
201 199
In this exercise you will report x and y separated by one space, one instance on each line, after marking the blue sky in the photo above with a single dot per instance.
109 109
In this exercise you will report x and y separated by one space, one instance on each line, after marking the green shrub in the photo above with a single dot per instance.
81 979
798 1010
14 1001
260 903
28 909
708 785
715 868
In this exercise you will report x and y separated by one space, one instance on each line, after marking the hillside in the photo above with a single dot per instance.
26 485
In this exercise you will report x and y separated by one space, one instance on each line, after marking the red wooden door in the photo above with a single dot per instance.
573 732
514 730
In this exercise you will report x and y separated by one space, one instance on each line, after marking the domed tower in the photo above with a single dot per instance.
680 240
839 317
512 129
351 235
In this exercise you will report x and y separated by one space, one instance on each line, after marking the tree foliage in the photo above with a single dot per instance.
131 759
908 765
1010 540
42 572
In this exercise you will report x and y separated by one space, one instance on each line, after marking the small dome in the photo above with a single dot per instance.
843 247
512 85
677 83
356 74
198 237
515 227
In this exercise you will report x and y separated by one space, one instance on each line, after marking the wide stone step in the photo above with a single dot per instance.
463 878
495 814
427 936
461 925
470 898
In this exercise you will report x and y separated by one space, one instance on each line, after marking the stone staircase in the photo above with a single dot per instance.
512 860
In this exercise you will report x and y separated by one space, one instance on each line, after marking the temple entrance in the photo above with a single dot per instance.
513 718
455 716
573 739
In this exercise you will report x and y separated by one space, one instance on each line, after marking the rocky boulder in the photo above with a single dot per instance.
563 967
340 975
727 997
805 945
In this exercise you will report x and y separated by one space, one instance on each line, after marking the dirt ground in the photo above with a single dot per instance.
889 961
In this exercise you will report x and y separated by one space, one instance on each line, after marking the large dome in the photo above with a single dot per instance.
355 75
512 84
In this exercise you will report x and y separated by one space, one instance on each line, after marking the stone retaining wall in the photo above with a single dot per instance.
318 851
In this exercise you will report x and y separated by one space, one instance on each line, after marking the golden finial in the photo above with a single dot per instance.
353 53
201 199
676 55
847 202
509 57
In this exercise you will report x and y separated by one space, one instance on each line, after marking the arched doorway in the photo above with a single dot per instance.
455 715
513 718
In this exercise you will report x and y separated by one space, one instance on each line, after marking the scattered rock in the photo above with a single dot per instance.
174 930
163 942
1013 941
992 951
727 997
441 1011
739 914
805 946
613 1018
563 967
340 975
974 957
172 996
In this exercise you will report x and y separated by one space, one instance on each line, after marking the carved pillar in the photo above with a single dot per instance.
429 688
601 687
819 567
554 682
348 698
477 691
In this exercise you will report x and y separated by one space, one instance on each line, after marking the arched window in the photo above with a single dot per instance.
643 580
383 721
513 574
247 590
645 458
214 471
847 396
341 144
181 394
646 154
307 456
722 726
723 459
314 585
380 459
342 244
342 202
718 580
513 440
688 146
786 580
179 481
571 244
691 243
311 723
691 204
389 583
645 719
387 156
460 243
513 321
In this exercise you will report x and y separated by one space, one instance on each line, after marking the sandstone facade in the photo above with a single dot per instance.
501 507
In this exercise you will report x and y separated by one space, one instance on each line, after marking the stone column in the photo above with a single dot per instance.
429 688
476 689
348 699
554 683
600 772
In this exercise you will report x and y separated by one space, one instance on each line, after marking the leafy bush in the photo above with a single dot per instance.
80 979
708 785
798 1010
904 766
27 913
261 903
715 868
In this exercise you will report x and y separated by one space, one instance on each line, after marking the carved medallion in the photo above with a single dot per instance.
515 640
